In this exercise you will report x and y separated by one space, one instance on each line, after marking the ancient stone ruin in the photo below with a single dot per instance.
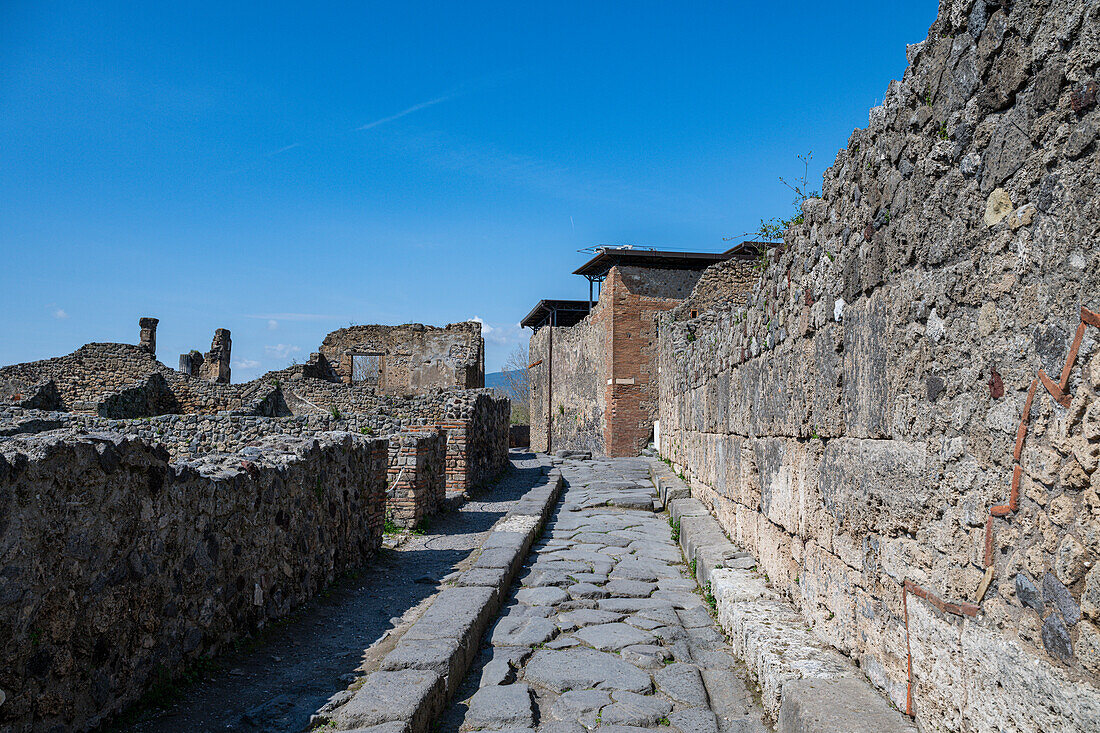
872 499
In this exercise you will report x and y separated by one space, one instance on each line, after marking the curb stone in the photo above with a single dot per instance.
418 677
806 684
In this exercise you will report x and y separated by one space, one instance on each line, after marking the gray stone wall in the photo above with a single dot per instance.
571 403
120 567
872 425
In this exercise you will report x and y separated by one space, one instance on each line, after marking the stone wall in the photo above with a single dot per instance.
903 423
476 423
410 358
417 476
120 568
568 406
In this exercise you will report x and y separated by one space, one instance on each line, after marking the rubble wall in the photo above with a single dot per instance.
120 568
858 424
413 358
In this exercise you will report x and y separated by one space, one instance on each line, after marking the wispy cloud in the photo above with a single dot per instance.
60 314
281 351
409 111
272 324
273 153
245 364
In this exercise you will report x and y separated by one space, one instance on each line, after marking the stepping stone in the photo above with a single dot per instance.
546 596
501 706
629 588
633 709
582 706
682 683
582 669
612 637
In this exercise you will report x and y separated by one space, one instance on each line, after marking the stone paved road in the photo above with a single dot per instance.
606 629
279 685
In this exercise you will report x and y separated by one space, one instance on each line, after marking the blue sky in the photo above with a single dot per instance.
285 169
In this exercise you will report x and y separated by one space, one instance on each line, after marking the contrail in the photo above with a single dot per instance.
409 111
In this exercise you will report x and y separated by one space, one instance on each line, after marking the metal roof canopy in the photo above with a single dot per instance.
599 265
557 312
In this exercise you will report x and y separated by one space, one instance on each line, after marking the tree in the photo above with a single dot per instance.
517 385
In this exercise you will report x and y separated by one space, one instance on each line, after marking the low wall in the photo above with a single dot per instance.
417 476
476 423
119 568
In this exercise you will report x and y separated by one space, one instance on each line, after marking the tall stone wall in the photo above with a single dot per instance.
120 568
903 423
568 408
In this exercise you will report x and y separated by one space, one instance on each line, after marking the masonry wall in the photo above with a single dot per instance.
859 424
568 406
414 358
120 567
417 476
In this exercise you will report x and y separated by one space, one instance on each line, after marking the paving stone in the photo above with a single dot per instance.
546 596
586 617
694 720
642 622
523 631
629 588
633 605
581 669
613 636
582 706
586 590
632 709
646 656
682 683
501 706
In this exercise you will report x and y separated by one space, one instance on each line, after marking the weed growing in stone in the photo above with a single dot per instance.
675 524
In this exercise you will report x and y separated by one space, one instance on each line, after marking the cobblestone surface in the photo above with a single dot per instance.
606 629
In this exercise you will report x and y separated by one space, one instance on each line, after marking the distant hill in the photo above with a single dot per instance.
495 380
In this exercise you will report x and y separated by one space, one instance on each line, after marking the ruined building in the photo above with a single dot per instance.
593 374
225 505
